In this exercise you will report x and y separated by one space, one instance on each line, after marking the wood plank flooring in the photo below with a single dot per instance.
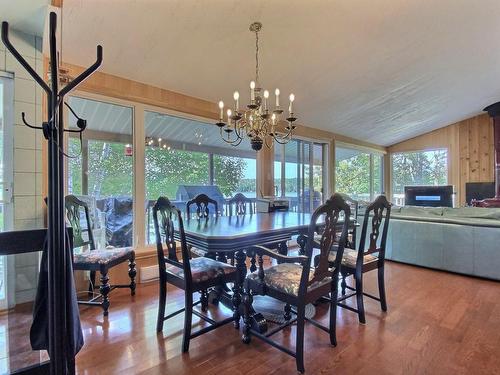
437 323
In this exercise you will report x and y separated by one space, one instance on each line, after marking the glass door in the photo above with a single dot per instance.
6 171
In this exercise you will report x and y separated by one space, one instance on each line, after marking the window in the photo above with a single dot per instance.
6 172
359 174
298 174
100 169
418 169
186 157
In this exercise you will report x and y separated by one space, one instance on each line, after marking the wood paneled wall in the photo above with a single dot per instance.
470 151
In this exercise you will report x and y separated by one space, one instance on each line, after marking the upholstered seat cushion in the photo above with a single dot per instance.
103 256
350 257
198 252
203 269
285 277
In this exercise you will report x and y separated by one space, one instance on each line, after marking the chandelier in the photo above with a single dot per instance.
257 121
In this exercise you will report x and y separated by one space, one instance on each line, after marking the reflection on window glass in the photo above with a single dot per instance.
167 169
100 171
187 157
418 169
235 175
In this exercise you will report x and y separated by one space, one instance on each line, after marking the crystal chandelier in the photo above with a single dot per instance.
257 121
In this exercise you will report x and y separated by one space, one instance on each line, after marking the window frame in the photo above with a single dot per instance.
372 154
391 158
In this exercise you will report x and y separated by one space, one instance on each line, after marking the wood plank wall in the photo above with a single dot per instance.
470 151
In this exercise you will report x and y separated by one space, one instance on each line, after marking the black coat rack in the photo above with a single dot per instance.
60 290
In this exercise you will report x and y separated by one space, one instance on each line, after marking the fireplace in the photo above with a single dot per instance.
494 112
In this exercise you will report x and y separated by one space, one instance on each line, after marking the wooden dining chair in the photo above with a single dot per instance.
191 275
354 206
92 259
296 283
366 258
237 206
240 205
203 211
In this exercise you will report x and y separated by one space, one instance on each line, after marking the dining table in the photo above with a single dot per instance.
236 235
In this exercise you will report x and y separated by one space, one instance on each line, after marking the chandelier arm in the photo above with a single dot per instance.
228 141
283 140
238 143
237 129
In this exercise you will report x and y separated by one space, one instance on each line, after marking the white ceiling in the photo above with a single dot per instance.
377 70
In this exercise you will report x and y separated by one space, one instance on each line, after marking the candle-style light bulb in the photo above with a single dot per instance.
266 96
277 93
236 97
273 119
290 108
252 91
221 107
229 113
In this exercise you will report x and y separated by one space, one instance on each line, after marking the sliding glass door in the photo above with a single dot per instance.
298 174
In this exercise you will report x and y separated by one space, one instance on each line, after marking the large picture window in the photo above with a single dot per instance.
181 164
418 168
100 168
359 174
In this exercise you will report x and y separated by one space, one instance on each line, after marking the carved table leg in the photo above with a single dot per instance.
132 273
301 241
283 249
247 305
238 286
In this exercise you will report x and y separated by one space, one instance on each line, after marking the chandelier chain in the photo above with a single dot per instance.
257 57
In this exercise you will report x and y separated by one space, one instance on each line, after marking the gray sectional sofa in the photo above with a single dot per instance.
463 240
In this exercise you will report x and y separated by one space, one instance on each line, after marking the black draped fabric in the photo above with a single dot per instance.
39 333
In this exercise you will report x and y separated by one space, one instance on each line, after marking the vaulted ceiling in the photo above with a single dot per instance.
377 70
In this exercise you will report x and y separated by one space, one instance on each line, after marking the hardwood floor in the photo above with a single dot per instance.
437 323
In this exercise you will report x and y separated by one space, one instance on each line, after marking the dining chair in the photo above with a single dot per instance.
191 275
202 202
295 282
366 258
238 205
354 206
92 259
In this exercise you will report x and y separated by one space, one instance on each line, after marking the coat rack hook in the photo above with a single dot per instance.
23 116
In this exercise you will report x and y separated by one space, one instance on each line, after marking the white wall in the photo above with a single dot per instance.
27 191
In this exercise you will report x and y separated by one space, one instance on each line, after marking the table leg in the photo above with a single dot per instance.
238 286
283 248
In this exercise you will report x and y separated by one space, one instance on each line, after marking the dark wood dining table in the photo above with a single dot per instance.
236 234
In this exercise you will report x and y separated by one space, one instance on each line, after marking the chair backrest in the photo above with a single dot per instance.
74 207
375 213
239 202
330 211
202 211
353 205
165 217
